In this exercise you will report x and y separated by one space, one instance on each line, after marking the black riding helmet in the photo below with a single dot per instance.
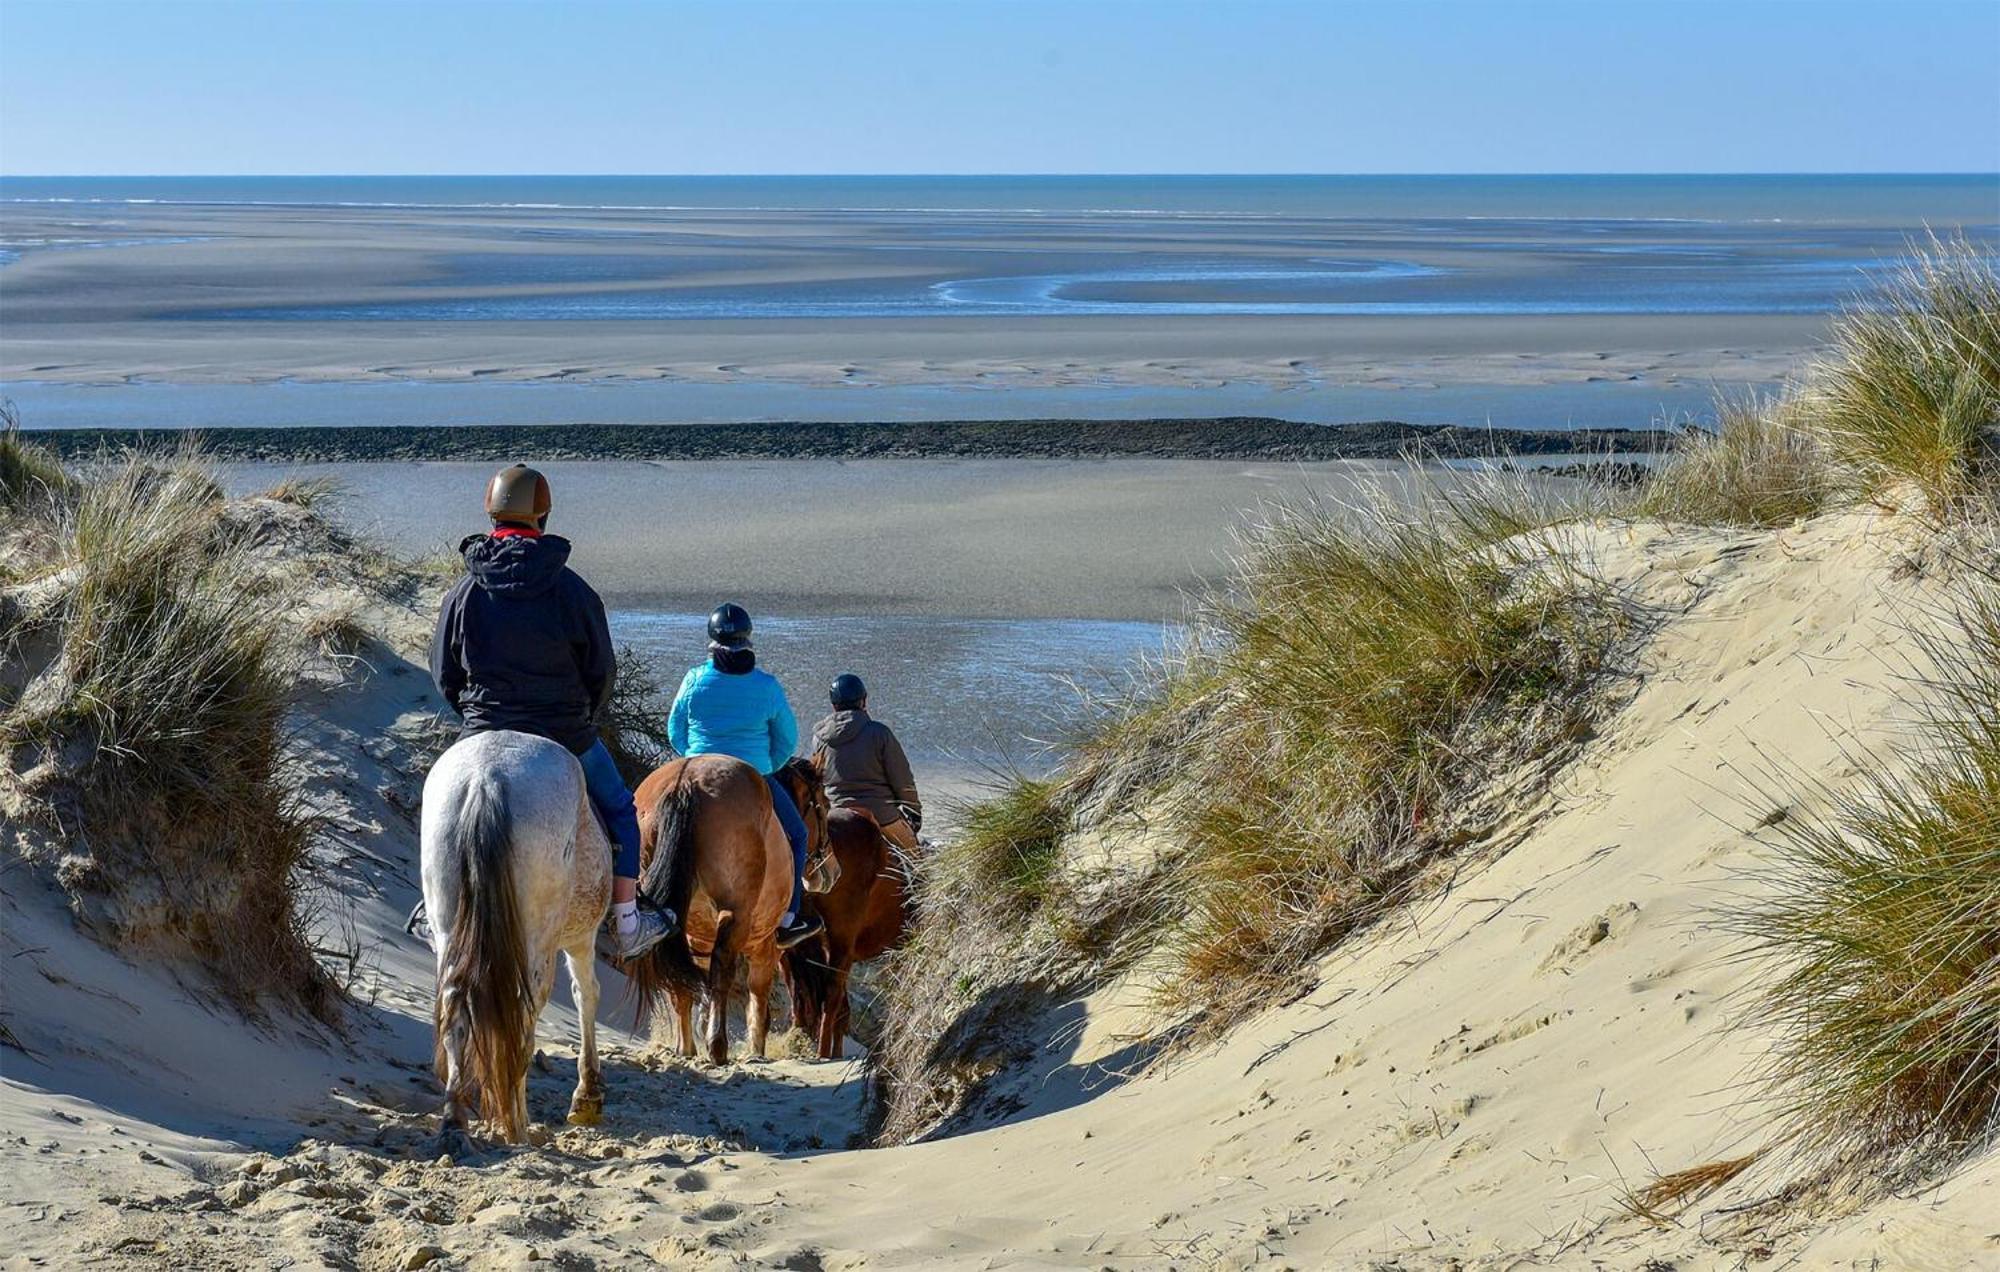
847 691
729 626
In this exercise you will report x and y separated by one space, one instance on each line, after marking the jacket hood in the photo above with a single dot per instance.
516 566
841 727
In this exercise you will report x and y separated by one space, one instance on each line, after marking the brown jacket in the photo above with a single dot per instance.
865 766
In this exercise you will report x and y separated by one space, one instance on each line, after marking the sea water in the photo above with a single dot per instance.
971 699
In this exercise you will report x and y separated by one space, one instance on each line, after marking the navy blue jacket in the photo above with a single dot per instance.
522 643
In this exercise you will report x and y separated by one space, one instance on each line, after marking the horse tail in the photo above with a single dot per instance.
669 882
485 993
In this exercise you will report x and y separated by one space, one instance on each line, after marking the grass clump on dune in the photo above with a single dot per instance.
1008 848
306 492
1375 669
1908 396
1761 467
1325 734
1883 917
1903 404
29 474
146 736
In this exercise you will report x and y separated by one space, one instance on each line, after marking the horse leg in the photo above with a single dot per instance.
721 980
835 1018
545 980
804 1018
757 1013
683 1005
454 1137
586 1105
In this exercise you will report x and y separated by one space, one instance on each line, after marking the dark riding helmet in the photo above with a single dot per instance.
729 626
519 495
847 690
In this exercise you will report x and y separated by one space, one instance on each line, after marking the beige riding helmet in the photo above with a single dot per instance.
519 494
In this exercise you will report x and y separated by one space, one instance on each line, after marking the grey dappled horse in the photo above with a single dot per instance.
515 868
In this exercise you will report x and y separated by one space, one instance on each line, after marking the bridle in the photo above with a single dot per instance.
822 866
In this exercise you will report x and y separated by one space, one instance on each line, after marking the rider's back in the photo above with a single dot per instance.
521 641
744 715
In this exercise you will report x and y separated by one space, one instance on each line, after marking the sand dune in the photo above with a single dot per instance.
1477 1084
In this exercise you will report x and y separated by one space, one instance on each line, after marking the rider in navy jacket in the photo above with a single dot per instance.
522 644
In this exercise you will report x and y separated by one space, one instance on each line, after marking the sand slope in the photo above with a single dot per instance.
1475 1085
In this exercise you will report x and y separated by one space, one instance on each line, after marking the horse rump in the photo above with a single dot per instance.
485 995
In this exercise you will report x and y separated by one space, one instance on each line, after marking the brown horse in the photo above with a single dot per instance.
714 852
864 913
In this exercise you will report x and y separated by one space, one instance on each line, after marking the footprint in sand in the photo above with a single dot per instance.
1578 945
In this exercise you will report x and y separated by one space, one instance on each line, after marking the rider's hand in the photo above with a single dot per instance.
912 815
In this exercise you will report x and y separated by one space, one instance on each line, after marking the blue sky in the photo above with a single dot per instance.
758 86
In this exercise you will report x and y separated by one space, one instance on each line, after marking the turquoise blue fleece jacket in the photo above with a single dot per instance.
745 716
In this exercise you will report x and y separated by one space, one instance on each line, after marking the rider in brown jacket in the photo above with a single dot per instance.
865 765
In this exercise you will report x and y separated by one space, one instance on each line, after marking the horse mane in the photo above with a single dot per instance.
801 769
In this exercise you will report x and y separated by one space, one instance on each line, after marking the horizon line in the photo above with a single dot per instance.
738 176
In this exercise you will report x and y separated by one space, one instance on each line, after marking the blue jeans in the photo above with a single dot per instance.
795 831
614 803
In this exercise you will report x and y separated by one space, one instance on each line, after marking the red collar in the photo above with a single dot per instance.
514 532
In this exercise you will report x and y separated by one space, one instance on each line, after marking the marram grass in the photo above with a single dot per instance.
160 720
29 474
1907 397
1881 921
1902 408
1763 466
1295 766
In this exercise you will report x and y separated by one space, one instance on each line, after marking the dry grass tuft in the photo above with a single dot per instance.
337 630
147 737
306 492
1668 1195
30 475
1908 396
1762 467
1882 919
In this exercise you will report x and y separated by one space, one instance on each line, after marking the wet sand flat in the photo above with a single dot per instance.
966 538
242 294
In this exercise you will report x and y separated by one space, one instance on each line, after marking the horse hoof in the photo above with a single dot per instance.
586 1112
454 1143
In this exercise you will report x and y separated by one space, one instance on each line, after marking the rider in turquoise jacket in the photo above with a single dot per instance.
727 706
746 716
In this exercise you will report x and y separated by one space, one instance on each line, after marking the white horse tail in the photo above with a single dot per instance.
486 995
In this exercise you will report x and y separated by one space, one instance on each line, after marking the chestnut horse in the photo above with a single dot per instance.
715 853
864 913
